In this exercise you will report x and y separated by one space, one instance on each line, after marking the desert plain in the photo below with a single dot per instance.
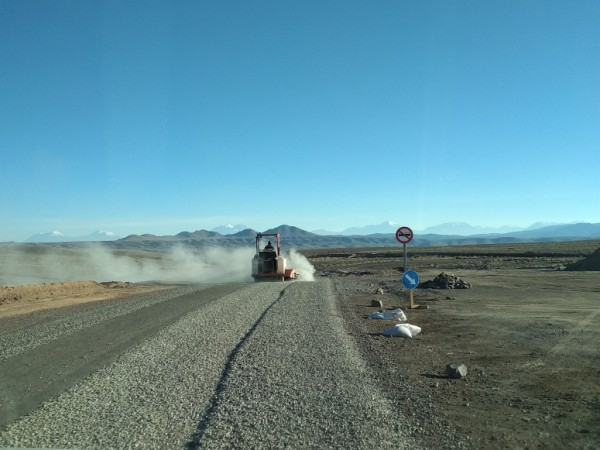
527 330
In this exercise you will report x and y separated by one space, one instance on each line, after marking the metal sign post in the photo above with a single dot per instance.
404 235
410 278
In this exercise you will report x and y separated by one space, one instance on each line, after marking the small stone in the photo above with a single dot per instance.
377 303
379 291
456 370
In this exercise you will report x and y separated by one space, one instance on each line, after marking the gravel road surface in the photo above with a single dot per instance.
52 356
19 334
263 366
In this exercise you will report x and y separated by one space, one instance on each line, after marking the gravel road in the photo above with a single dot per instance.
19 334
265 366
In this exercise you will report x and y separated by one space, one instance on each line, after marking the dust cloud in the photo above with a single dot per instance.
30 265
302 265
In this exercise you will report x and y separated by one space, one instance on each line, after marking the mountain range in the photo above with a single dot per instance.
449 228
294 237
382 235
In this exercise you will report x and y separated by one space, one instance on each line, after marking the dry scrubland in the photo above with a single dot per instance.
528 332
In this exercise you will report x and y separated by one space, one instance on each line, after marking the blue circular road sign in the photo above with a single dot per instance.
410 279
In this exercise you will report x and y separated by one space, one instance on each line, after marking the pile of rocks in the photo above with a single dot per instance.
445 281
342 273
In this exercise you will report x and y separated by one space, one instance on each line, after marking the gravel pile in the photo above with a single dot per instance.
21 333
445 281
590 262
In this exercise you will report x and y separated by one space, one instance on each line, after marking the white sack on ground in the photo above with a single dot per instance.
402 330
395 314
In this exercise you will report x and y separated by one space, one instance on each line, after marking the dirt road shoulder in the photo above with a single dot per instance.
25 299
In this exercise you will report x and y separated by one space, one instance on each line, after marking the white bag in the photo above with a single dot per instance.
395 314
402 330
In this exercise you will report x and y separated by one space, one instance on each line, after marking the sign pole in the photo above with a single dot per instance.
410 280
404 235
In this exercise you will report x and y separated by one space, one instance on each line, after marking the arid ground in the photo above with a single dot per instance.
528 332
24 299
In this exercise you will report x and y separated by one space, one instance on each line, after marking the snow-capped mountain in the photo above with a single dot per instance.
47 236
57 236
229 229
101 235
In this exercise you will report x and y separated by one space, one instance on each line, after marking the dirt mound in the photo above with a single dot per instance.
445 281
590 262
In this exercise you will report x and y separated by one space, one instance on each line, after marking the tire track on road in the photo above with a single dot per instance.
211 409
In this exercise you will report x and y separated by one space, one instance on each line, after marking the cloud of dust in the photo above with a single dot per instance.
27 265
302 265
94 262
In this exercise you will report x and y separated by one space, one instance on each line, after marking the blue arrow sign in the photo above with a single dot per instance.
410 279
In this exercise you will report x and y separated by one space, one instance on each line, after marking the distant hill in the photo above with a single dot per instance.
289 231
247 233
198 234
385 227
542 225
581 230
145 237
465 229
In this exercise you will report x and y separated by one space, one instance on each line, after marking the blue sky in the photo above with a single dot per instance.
158 117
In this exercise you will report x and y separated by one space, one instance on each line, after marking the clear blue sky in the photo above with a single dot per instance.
158 117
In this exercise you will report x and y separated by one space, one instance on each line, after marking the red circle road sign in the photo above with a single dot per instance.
404 235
